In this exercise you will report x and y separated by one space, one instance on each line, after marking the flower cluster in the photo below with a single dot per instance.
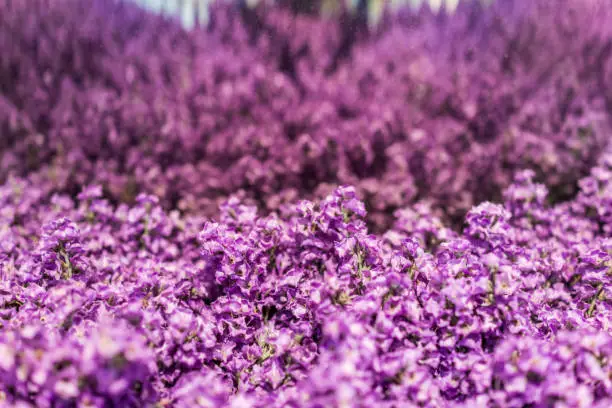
178 226
307 308
438 107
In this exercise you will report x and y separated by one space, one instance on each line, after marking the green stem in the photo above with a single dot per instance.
591 309
67 269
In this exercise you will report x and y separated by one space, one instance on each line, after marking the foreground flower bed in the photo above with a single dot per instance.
176 228
136 306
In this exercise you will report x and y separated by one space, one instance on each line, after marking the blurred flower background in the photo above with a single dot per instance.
192 12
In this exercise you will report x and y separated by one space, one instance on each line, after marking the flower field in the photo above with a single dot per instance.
285 209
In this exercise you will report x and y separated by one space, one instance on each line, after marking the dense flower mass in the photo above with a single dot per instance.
436 107
283 209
